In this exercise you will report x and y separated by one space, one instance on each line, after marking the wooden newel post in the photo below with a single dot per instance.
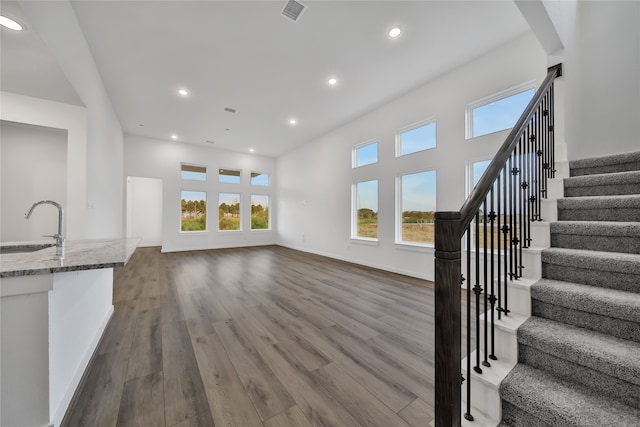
447 307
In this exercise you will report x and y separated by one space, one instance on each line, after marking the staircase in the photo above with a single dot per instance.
579 353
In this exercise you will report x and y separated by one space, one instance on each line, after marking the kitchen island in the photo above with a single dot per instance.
54 309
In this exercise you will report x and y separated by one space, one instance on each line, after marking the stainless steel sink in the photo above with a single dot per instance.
17 249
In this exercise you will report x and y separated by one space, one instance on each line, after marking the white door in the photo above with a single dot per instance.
144 210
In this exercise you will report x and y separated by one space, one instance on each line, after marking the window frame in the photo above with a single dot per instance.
230 169
193 165
251 213
354 211
258 174
398 219
354 153
239 194
206 213
495 97
413 126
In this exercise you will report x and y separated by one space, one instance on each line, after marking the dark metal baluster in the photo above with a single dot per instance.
467 414
492 298
477 290
505 229
551 131
485 362
519 207
499 203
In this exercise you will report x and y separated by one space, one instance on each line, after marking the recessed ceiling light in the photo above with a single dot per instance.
394 32
292 121
251 150
174 136
183 92
10 23
332 81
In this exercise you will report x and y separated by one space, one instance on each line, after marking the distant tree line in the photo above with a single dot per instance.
193 208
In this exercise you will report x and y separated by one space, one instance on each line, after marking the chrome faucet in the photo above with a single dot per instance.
60 236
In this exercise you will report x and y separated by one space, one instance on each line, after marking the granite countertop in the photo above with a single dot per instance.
77 255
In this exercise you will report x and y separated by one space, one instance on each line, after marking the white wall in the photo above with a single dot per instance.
151 158
314 181
40 112
34 167
57 25
602 75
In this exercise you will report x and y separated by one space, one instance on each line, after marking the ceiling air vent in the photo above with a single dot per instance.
230 110
293 10
209 141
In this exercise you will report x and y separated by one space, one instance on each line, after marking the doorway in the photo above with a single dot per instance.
144 210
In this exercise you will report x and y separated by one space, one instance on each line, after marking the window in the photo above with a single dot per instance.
417 137
196 173
498 112
365 215
477 170
260 219
228 211
229 176
365 154
194 211
417 206
258 178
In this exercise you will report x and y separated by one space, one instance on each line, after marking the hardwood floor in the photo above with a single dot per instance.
262 336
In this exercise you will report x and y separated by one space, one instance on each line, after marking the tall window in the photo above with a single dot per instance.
229 211
229 176
196 173
417 206
260 219
365 154
417 137
194 211
498 112
258 178
365 215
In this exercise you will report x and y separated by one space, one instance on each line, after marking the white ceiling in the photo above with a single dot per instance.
247 56
27 66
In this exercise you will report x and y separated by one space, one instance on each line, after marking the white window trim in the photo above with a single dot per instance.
354 211
531 84
251 178
218 216
230 169
410 127
469 180
354 153
206 174
258 229
398 240
206 225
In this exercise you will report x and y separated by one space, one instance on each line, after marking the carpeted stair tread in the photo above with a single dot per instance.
606 302
624 208
562 403
601 352
608 164
594 260
606 236
603 184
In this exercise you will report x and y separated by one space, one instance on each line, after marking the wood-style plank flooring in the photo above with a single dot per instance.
263 336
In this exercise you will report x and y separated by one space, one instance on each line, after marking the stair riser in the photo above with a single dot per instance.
512 416
506 345
486 397
608 325
621 167
618 215
601 190
601 383
624 244
603 279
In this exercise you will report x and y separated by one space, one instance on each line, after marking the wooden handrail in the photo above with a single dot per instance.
480 191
